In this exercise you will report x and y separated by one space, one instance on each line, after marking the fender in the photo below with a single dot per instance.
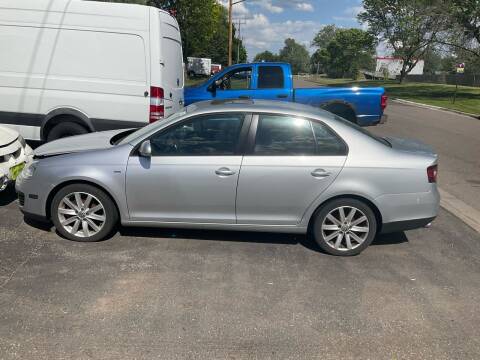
80 117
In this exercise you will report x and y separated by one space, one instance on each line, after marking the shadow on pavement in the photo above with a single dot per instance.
8 195
390 239
220 235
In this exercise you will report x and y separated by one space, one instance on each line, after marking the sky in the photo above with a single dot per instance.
267 23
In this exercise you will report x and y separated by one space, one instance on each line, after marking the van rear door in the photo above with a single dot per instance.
171 63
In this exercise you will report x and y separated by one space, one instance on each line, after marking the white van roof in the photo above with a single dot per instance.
77 13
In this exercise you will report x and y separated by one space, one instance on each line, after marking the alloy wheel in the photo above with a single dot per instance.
345 228
81 214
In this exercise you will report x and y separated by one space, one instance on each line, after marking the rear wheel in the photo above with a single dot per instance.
82 212
344 227
66 129
343 111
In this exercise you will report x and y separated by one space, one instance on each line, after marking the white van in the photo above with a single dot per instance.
69 67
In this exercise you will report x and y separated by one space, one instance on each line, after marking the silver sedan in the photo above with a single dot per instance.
236 165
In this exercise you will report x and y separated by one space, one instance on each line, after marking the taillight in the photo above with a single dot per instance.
383 101
432 172
157 107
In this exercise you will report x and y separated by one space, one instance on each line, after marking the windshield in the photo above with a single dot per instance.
145 130
363 131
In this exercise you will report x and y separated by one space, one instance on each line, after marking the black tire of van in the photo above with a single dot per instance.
66 129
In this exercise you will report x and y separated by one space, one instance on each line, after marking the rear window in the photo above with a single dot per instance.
270 77
363 131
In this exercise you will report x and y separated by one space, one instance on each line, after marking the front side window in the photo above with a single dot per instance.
207 135
238 79
270 77
284 136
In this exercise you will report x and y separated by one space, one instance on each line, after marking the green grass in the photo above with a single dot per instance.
468 98
194 81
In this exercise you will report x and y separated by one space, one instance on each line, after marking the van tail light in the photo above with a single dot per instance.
432 172
157 106
383 101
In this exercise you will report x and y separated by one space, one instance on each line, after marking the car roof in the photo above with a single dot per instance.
254 105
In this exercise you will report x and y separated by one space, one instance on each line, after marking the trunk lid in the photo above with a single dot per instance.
411 146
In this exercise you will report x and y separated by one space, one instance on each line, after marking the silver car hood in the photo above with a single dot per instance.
93 141
411 145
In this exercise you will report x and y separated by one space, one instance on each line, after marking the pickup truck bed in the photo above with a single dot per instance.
274 81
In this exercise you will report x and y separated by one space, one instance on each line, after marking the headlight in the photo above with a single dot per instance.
22 141
28 171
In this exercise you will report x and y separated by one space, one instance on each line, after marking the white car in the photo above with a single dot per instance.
14 154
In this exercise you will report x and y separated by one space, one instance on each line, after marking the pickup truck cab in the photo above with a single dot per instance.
274 81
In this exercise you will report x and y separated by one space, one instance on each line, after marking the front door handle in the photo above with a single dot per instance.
320 173
224 171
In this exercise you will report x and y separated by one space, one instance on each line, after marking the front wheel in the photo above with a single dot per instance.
344 227
82 212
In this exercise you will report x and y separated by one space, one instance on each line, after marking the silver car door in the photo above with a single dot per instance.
290 163
192 174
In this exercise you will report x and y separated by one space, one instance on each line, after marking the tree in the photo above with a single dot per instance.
296 54
409 27
324 37
463 28
343 52
265 56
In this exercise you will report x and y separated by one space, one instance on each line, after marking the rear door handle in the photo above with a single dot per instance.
224 171
282 96
320 173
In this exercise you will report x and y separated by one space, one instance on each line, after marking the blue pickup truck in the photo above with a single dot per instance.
274 81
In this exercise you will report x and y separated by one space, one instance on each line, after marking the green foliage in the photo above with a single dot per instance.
463 27
266 56
343 52
296 54
409 27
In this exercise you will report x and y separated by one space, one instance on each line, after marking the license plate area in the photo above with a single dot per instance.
16 170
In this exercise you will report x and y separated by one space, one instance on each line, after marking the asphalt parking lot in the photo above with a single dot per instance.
167 294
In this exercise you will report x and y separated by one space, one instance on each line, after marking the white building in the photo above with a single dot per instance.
394 65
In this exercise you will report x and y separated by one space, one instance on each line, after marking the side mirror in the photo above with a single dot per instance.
145 149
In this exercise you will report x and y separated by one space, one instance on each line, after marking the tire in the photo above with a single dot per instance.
74 219
325 230
343 111
66 129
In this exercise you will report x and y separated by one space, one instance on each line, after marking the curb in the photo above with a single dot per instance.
461 210
433 107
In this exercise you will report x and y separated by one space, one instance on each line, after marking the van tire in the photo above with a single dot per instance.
66 129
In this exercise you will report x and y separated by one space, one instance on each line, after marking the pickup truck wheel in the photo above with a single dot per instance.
343 111
65 129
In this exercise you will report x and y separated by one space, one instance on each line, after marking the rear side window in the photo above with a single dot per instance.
279 135
270 77
284 136
328 143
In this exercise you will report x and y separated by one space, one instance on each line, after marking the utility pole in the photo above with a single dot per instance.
230 31
241 21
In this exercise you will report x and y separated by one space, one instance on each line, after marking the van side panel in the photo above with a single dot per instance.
88 56
171 63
